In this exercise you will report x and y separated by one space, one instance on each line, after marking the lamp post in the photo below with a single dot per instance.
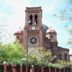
27 59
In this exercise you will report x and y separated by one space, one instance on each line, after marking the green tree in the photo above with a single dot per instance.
1 53
41 56
11 53
14 53
46 56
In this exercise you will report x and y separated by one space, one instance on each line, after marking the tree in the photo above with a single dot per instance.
46 56
14 53
39 56
11 53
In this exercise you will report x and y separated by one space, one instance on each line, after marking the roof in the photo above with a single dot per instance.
70 55
33 9
51 30
18 32
60 48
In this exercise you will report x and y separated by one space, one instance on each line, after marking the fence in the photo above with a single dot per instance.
22 68
1 68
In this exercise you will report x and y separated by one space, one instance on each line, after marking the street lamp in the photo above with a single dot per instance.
27 61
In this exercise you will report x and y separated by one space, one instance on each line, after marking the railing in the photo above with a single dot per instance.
22 68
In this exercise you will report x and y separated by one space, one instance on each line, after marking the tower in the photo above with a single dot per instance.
33 30
52 35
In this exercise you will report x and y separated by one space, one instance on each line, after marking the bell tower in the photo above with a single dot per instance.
33 30
33 16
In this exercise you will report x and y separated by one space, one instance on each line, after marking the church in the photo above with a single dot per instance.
36 35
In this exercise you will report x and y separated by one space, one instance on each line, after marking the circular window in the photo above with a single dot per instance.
33 40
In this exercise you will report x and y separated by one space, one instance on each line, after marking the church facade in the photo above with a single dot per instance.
36 35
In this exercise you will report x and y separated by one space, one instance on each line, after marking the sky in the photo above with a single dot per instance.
12 18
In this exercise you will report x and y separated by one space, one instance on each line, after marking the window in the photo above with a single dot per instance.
36 20
65 56
33 40
51 36
60 56
31 19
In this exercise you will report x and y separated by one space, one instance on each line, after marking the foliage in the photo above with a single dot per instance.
15 54
39 56
46 56
11 53
32 59
60 64
64 63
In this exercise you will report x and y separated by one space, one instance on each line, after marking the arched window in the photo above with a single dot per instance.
36 20
30 19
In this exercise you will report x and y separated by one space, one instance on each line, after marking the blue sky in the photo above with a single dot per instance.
12 18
